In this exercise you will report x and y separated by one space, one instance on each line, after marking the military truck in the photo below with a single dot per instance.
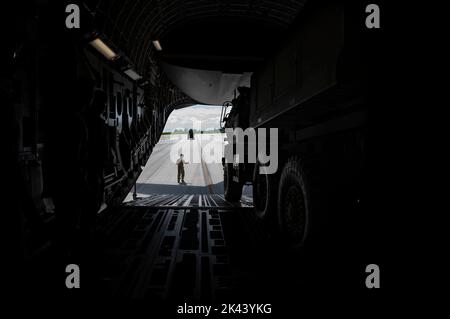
314 92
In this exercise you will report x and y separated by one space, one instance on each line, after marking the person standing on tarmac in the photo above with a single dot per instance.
180 164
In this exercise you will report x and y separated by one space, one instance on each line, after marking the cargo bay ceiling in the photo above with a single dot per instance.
209 47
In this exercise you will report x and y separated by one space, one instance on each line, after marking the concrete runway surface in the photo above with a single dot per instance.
203 174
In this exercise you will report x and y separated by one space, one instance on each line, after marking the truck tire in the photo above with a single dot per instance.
294 211
232 189
264 194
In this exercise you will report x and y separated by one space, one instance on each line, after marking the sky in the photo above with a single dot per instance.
208 116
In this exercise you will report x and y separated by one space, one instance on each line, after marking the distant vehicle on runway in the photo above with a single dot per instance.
191 134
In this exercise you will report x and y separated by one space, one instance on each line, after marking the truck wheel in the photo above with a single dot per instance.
293 204
264 194
233 190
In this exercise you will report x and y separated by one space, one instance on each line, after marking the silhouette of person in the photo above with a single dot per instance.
180 165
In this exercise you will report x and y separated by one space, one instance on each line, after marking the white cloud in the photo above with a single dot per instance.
207 115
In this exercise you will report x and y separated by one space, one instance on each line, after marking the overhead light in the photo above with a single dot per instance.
132 74
157 45
101 47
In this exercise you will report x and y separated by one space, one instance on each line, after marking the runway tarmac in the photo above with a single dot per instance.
203 174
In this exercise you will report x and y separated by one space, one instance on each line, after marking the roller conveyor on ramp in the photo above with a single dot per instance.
175 247
187 201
